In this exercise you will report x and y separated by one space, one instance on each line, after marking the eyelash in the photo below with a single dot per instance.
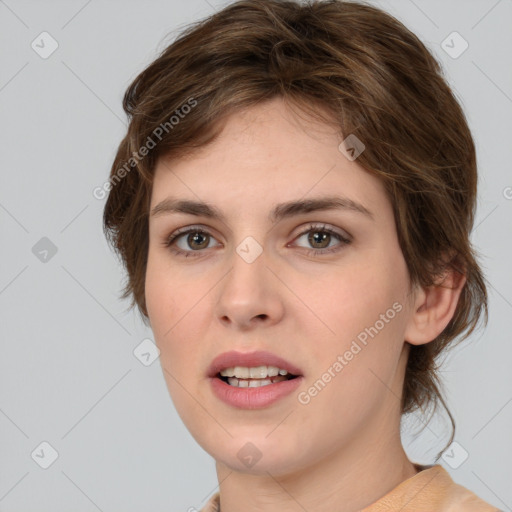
315 252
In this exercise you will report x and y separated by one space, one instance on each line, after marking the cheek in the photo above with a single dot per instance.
351 300
160 301
365 312
174 307
166 292
164 309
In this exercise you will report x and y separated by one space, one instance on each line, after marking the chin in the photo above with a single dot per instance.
276 465
257 454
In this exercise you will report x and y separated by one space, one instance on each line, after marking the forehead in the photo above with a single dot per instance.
265 155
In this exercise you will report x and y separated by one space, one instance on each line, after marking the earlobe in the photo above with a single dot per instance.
433 308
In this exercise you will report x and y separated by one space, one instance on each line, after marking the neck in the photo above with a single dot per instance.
348 480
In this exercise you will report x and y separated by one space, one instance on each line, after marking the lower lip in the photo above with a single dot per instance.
254 398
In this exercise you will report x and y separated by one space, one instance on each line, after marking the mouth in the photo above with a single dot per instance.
252 369
253 382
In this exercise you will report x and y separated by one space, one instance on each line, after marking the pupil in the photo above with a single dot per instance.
194 237
317 234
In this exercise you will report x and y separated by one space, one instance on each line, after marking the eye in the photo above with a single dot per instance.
198 238
319 236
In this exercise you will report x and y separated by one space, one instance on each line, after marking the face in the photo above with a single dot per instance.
326 290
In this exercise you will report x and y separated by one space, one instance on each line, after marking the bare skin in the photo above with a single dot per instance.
341 450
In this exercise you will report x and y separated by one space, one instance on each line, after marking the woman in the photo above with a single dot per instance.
293 201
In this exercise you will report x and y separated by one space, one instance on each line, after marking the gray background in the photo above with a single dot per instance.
69 376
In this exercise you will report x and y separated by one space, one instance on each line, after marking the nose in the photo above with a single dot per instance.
250 295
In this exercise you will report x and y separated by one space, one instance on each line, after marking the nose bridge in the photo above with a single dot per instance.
248 266
249 250
247 290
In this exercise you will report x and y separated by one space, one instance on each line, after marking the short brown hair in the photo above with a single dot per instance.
376 80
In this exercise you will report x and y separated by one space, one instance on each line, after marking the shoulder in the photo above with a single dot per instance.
459 498
431 489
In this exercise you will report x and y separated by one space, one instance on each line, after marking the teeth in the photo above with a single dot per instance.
241 383
257 372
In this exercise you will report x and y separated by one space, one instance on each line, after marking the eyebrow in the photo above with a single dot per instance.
279 212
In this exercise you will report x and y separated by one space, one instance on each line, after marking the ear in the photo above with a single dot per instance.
434 307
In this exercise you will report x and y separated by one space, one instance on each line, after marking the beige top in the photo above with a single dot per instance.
432 489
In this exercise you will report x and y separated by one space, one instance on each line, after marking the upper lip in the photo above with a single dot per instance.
250 359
